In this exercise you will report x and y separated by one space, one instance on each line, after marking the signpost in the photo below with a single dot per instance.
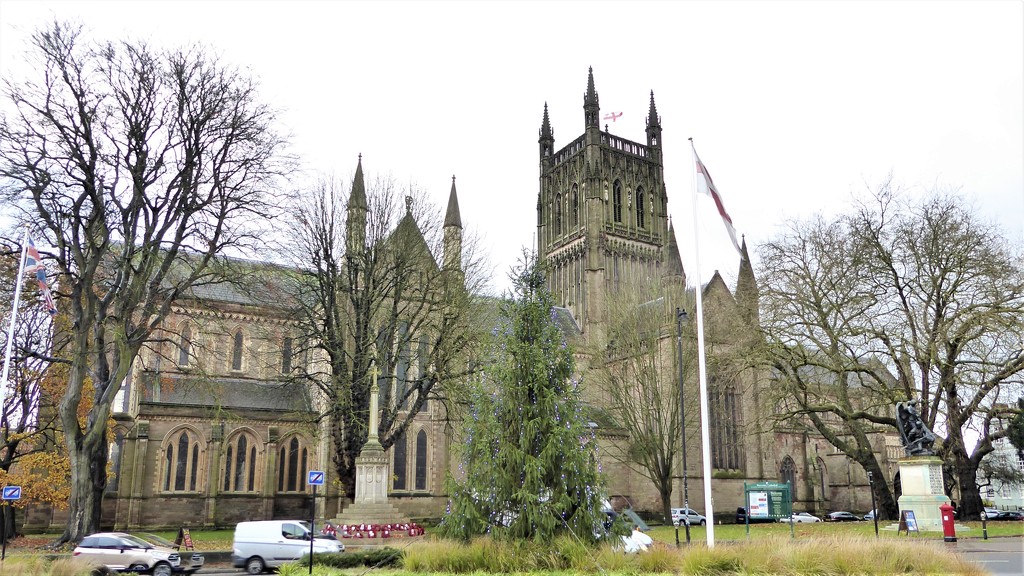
9 493
316 478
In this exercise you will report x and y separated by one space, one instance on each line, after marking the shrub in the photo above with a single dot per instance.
382 558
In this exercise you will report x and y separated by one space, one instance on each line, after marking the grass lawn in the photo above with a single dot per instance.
737 532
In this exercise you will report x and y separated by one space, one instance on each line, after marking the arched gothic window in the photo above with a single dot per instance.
114 457
617 201
641 221
185 346
823 479
575 205
558 214
726 439
240 464
402 367
286 355
399 465
292 465
787 473
421 460
423 357
181 461
236 350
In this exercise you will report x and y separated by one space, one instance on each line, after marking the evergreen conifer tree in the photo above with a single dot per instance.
529 463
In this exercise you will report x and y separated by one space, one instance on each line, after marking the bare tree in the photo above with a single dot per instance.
823 379
391 286
138 167
895 301
636 370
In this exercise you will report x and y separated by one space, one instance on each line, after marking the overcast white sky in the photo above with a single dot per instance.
794 106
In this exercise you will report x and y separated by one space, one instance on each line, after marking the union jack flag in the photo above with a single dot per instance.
34 264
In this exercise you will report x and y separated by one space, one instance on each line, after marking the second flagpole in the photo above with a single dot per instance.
705 417
13 320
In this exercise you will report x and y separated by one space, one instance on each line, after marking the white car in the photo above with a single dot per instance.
991 513
267 544
801 518
688 515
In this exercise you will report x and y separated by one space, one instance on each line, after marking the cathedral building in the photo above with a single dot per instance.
604 230
210 430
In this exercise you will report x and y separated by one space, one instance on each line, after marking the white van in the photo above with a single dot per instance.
270 543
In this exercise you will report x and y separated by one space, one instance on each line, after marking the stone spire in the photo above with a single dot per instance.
591 107
547 137
673 261
451 216
355 231
747 293
453 232
653 125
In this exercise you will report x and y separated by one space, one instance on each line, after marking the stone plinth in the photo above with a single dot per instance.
923 490
371 503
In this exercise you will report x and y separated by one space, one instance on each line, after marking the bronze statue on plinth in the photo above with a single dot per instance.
917 438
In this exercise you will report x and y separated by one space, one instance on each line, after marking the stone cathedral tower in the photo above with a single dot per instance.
602 219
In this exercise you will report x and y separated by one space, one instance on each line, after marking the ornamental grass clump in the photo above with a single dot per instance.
43 566
771 557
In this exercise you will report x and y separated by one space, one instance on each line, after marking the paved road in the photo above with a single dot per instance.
997 555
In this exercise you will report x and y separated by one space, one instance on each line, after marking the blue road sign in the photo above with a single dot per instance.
12 492
316 478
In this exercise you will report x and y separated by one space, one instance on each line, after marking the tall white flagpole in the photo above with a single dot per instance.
14 320
705 417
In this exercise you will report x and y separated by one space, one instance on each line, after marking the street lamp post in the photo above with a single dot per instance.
680 316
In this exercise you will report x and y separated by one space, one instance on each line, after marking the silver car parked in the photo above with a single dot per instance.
127 553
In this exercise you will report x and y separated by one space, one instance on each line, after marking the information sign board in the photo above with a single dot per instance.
768 500
908 522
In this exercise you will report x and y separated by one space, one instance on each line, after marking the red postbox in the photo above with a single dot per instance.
948 527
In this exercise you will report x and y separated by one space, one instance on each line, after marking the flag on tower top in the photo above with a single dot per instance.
707 186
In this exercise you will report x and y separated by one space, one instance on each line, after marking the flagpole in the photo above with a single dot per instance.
13 321
705 417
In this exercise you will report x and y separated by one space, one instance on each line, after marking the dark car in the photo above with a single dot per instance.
1012 515
840 517
741 517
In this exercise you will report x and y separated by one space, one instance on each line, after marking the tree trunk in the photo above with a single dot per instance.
88 481
344 458
665 490
7 529
887 507
970 506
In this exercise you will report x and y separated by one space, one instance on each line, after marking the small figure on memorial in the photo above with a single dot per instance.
917 438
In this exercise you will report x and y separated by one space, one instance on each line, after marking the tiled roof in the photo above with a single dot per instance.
179 389
566 322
